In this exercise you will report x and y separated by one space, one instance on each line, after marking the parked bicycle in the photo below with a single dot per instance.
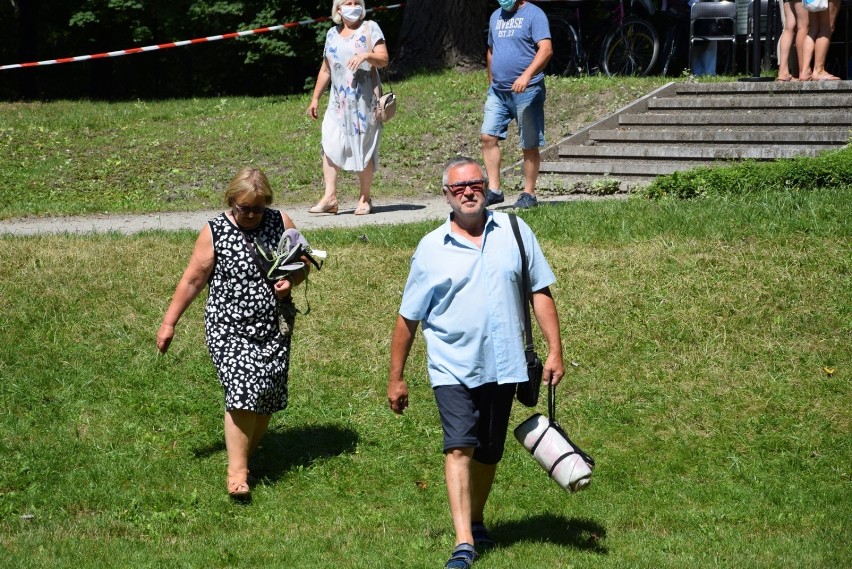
675 15
631 46
569 57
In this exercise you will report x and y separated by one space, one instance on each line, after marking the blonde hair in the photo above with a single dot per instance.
248 182
337 18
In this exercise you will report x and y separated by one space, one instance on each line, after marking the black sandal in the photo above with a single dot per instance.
463 556
481 539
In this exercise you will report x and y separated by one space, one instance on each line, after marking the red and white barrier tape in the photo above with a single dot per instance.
180 43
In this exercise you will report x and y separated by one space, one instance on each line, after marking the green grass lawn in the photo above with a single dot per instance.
711 381
72 157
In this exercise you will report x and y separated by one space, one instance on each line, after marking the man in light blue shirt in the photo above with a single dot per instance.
464 287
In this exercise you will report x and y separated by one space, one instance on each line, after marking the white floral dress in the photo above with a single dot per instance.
350 131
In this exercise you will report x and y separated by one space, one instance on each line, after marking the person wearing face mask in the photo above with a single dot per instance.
519 48
354 50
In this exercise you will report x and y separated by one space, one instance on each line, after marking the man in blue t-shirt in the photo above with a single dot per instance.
519 48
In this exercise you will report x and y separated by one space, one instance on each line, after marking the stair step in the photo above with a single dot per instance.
645 169
770 87
692 136
827 118
778 102
685 125
622 152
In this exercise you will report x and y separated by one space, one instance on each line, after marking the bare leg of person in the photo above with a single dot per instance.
457 471
532 164
330 173
806 64
823 40
261 425
801 34
491 158
785 42
239 432
365 182
481 481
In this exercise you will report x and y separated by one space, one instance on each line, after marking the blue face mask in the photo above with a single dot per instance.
507 4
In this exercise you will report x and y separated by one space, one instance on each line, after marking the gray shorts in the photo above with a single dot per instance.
476 418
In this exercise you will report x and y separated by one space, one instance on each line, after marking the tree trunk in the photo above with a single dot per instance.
443 34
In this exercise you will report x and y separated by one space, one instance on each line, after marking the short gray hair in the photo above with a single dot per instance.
460 161
336 18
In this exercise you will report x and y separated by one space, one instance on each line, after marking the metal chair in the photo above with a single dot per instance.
716 22
772 30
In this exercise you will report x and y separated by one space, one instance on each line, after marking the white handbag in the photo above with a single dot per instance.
564 461
386 107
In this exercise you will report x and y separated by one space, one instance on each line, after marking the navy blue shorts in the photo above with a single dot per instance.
476 418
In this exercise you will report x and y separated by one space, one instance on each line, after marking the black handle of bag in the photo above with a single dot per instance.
551 402
551 415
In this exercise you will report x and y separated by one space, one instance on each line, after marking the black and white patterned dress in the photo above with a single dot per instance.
250 354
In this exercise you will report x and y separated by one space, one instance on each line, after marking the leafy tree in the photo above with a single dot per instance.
284 61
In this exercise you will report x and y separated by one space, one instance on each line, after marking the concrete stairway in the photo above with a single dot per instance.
684 125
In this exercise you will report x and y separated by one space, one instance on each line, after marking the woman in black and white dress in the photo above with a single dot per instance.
249 351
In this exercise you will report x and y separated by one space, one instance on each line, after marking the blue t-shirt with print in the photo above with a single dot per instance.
512 37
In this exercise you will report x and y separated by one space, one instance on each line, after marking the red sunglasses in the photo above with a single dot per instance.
458 189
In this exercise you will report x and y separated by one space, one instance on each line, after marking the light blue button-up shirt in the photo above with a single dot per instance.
469 302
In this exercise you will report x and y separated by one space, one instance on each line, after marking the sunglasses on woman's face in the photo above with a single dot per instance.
458 189
247 209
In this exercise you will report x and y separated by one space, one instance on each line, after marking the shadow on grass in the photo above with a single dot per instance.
579 533
283 450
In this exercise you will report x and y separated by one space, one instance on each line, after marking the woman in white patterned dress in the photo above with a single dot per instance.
251 355
354 50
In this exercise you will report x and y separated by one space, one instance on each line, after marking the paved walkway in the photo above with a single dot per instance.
386 212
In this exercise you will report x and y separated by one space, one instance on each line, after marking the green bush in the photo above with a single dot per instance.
829 170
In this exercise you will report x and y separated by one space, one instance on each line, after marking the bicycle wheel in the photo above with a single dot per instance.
630 49
567 53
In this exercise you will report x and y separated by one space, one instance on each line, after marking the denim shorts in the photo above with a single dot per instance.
476 418
527 108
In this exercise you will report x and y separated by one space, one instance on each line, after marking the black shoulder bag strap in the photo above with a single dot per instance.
525 284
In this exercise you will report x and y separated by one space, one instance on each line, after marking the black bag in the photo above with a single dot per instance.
528 391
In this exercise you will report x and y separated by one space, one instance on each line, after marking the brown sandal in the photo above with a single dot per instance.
364 208
328 209
238 489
